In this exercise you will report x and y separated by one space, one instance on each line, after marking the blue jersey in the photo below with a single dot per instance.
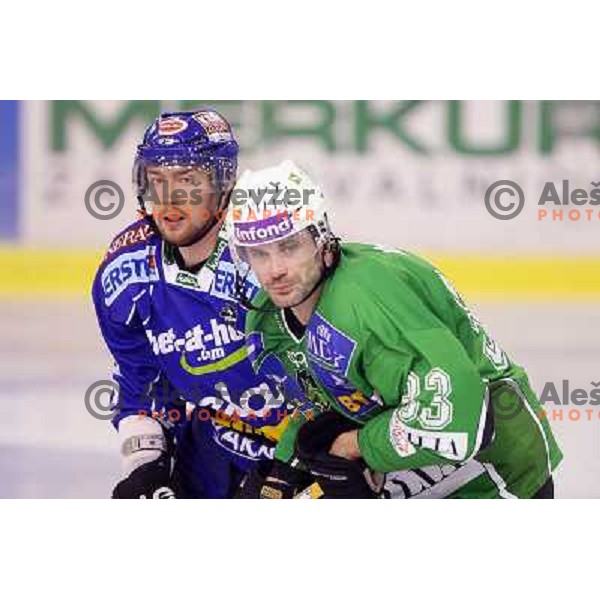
178 342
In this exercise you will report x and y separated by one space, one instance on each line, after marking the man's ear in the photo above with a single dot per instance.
328 257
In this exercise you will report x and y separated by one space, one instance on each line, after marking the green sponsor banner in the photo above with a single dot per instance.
352 126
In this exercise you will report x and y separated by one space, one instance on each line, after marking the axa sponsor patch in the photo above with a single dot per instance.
127 269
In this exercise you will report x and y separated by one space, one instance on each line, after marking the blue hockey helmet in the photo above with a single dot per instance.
202 137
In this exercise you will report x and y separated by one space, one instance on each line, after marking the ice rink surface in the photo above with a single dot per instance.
51 352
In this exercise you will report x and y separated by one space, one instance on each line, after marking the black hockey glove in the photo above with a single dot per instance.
337 477
274 481
150 480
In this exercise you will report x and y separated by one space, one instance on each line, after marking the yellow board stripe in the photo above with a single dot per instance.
69 274
47 273
545 278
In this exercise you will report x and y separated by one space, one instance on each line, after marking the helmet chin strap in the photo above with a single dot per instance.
148 218
326 271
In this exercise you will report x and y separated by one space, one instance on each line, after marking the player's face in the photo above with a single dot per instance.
185 202
287 270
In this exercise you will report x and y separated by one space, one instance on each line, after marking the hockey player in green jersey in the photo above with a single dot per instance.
408 382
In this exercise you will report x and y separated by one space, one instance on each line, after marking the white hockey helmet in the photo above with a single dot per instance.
271 204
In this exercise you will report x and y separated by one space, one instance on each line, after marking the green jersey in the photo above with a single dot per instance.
392 346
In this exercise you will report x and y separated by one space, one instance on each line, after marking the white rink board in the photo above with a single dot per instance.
380 186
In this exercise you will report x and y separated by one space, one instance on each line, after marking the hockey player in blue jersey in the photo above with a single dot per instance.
192 416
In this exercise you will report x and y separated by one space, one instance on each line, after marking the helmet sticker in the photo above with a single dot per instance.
265 231
171 126
216 126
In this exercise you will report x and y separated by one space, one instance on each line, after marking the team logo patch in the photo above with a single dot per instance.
228 313
171 126
215 125
212 122
330 353
329 346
